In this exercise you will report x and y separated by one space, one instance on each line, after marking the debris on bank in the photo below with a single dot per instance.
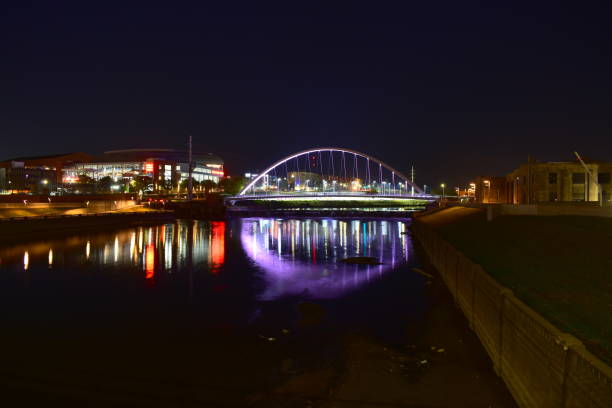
362 260
270 339
422 272
414 361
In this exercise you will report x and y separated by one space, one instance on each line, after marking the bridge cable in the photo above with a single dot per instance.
356 167
344 164
287 174
298 177
331 159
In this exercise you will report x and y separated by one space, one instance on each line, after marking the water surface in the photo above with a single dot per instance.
201 313
222 272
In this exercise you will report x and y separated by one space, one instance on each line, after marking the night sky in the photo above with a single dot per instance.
457 88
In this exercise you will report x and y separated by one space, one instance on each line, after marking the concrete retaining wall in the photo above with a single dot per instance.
549 210
86 206
36 227
542 366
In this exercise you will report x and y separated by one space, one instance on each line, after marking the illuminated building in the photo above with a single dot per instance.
40 174
164 168
559 181
537 182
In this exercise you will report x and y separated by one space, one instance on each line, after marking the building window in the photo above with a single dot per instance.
552 196
577 178
603 178
552 178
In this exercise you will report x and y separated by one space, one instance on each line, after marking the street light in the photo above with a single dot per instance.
443 186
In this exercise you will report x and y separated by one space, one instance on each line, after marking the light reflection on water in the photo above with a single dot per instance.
290 257
154 249
304 256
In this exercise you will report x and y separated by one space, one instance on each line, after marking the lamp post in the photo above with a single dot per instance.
190 180
443 186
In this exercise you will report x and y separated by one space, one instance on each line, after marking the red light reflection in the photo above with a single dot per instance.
217 256
150 261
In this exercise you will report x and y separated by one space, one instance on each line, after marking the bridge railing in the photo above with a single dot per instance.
334 194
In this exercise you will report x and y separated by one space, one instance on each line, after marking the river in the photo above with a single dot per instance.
220 313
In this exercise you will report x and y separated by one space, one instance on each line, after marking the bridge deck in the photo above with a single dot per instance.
333 196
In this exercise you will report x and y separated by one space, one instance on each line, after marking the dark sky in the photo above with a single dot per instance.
457 88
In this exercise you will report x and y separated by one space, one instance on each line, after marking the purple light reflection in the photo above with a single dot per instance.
299 255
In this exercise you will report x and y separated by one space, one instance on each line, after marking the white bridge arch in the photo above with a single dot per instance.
406 182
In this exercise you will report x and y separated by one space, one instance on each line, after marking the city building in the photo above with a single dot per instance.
559 181
148 169
538 182
133 170
37 175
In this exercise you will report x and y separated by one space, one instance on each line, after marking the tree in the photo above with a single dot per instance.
141 183
166 185
233 185
184 185
208 185
85 179
104 184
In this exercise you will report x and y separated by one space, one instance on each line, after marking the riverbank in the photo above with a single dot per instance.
558 265
27 228
542 365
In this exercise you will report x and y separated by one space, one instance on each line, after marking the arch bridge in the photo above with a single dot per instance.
331 173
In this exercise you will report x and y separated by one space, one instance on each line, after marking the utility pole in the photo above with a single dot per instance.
190 181
594 177
412 178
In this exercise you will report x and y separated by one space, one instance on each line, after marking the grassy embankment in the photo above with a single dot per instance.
560 266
